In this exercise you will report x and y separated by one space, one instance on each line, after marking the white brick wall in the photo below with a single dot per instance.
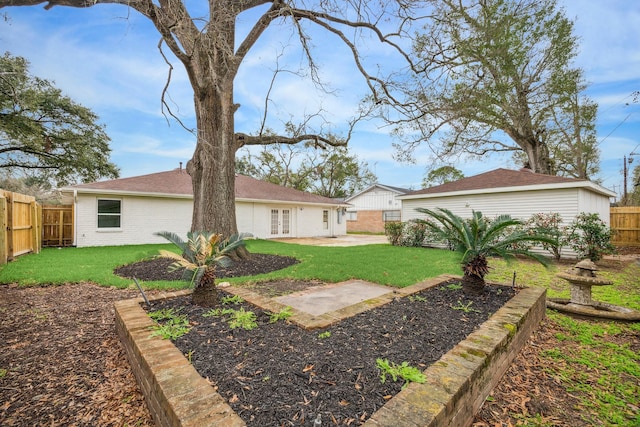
143 216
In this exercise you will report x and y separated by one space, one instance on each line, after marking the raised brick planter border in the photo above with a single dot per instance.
456 385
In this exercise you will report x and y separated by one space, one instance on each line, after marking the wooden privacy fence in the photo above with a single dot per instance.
57 225
20 219
625 221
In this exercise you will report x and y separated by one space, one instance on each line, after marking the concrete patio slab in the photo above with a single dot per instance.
346 240
324 299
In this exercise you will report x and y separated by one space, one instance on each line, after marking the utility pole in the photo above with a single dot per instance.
625 172
624 185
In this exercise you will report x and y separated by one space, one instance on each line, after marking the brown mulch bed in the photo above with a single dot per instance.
156 268
62 364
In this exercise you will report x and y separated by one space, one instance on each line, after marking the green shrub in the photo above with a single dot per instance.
413 234
589 236
551 225
393 231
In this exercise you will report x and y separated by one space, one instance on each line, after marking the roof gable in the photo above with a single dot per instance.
397 190
506 179
177 182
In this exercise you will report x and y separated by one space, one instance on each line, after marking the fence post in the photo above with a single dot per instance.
3 232
36 238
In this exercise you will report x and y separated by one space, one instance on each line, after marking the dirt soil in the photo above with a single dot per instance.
62 364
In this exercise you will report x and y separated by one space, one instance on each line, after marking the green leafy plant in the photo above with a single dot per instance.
465 307
283 314
589 236
418 298
478 238
243 319
549 224
199 256
451 287
164 314
236 318
170 324
325 334
3 373
404 371
393 231
231 299
414 234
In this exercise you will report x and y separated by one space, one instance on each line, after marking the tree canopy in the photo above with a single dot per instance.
45 133
633 195
498 78
441 175
208 46
331 173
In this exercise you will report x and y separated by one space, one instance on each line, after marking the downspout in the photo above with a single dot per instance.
75 218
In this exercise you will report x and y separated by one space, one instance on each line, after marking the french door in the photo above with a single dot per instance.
280 222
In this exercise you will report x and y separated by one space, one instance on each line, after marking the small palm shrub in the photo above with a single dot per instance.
478 238
201 253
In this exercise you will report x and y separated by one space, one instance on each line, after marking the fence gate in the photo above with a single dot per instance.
57 225
625 222
20 222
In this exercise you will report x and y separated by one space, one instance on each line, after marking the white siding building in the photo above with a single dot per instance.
130 210
517 193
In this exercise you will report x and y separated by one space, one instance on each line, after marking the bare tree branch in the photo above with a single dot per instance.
318 141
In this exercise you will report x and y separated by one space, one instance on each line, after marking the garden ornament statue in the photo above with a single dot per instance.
582 277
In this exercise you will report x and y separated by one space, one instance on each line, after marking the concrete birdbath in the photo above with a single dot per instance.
582 277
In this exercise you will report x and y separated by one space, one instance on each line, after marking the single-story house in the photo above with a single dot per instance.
520 194
130 210
372 207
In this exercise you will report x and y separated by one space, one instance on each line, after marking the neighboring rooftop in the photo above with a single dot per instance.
397 190
507 178
177 182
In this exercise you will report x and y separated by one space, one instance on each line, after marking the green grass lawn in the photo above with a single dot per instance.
384 264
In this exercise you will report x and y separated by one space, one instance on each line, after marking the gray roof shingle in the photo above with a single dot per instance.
178 182
498 178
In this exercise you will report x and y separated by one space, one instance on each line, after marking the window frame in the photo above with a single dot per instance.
108 214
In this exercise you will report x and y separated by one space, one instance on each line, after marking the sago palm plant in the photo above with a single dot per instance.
479 238
200 254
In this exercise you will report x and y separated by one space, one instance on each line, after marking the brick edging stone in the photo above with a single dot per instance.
455 389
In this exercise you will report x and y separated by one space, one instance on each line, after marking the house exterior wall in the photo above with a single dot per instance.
370 207
369 221
140 218
567 202
375 199
591 202
143 216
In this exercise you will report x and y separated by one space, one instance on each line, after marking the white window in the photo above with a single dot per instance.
325 219
391 216
352 215
109 213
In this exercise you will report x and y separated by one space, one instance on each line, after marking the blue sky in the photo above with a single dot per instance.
106 58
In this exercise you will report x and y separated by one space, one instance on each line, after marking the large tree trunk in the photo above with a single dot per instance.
539 159
212 167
